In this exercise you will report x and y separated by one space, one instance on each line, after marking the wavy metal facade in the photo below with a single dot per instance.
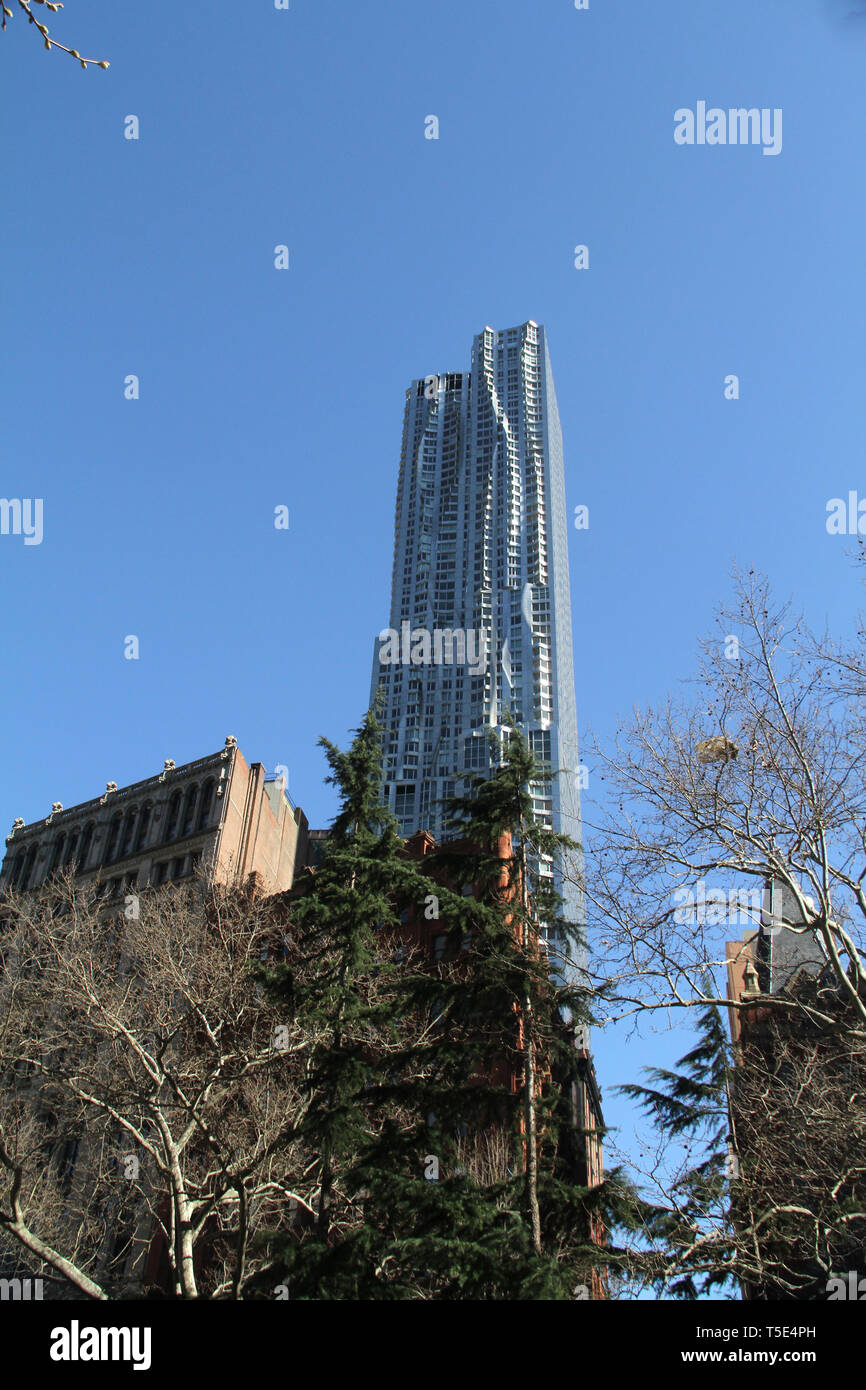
481 557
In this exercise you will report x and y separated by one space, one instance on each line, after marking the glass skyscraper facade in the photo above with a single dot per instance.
481 577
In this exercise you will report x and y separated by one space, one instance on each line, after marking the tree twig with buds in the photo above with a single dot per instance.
43 29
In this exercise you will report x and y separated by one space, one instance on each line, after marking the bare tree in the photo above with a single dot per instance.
756 1182
798 1106
737 812
157 1093
756 774
144 1043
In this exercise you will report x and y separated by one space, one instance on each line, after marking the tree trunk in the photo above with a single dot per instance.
529 1120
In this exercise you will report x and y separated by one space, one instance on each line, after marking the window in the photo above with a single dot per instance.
113 836
28 868
29 863
57 856
475 754
172 816
160 872
66 1160
205 805
84 846
126 839
143 825
188 820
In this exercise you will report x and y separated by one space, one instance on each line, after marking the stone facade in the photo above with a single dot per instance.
219 812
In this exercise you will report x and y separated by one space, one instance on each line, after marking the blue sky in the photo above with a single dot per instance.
262 387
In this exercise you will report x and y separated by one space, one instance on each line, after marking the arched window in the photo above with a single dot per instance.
15 869
205 804
84 847
71 848
171 818
113 836
143 825
126 838
188 822
57 856
28 867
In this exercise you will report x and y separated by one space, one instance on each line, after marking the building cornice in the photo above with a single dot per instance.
22 833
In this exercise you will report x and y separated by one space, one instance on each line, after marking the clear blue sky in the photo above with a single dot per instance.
260 387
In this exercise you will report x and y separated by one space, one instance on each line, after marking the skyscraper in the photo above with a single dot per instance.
480 620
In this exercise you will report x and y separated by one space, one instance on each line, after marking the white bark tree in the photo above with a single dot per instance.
148 1045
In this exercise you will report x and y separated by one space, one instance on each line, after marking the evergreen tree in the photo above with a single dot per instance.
489 1079
339 981
770 1206
690 1106
438 1117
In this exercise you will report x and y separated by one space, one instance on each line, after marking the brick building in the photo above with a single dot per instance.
219 812
584 1093
795 1106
